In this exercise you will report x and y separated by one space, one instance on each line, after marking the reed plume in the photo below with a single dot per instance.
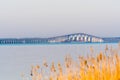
99 67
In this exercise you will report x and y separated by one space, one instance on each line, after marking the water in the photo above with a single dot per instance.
16 59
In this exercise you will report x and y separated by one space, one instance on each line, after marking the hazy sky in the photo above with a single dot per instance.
45 18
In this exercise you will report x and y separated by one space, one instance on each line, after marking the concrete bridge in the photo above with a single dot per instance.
84 38
69 38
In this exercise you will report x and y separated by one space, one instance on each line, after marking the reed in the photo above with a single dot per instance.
104 66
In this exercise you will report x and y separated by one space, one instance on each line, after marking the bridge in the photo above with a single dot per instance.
80 37
84 38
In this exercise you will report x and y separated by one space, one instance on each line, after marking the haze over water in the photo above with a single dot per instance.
49 18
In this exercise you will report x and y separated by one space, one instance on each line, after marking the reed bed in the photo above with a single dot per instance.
102 66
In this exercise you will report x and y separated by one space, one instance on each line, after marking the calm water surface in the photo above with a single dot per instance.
16 59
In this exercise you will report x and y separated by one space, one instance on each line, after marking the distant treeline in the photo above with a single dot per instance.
113 39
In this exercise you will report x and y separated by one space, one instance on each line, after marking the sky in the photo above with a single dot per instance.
48 18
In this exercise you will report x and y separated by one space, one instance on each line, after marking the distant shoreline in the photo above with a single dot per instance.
65 39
